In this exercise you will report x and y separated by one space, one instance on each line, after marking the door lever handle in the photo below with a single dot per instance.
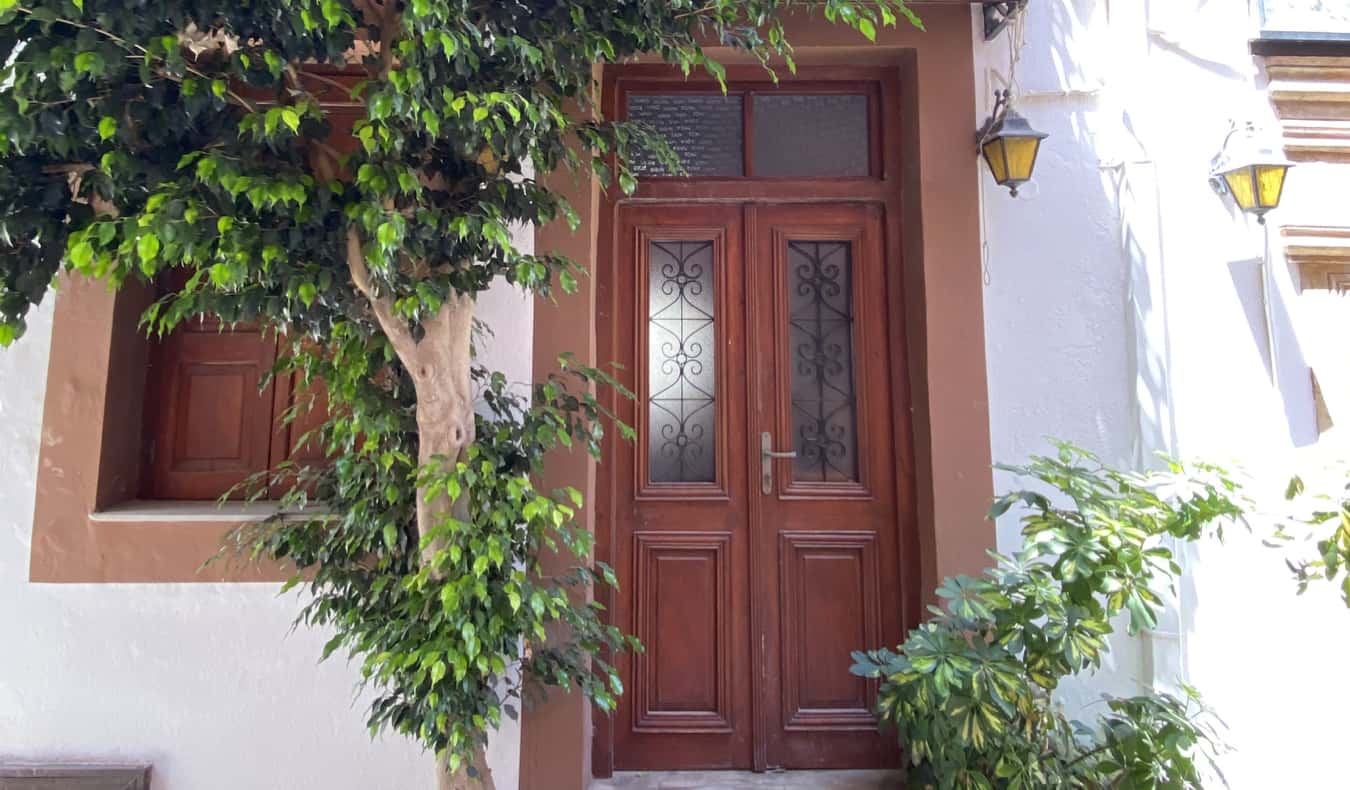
767 455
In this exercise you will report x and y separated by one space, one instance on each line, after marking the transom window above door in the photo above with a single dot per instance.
787 131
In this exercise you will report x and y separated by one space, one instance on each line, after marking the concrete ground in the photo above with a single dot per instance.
744 780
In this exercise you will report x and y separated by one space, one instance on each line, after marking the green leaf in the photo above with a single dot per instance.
81 255
332 12
107 127
291 118
88 63
148 247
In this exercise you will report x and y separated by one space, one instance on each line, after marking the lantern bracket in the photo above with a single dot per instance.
998 14
1002 98
1216 181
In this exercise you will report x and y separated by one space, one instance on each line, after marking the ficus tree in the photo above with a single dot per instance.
347 174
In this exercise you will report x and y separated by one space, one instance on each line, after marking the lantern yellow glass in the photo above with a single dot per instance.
1270 184
1257 188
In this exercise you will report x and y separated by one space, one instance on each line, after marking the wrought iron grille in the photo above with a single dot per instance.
820 328
681 374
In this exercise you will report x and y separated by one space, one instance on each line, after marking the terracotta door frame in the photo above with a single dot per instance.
942 334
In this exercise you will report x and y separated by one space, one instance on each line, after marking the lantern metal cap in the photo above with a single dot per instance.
1012 124
1245 145
1005 121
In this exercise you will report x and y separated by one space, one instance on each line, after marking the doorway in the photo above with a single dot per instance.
759 524
756 514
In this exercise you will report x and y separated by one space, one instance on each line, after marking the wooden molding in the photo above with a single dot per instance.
1316 245
1317 141
1312 99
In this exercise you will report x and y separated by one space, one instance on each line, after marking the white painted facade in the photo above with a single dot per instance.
202 680
1124 310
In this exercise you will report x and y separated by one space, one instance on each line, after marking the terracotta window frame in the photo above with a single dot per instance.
89 524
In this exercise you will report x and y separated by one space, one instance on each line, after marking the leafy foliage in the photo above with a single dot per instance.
346 173
440 641
1327 527
970 692
204 128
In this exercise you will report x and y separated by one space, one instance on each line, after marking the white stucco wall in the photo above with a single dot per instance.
1124 311
204 681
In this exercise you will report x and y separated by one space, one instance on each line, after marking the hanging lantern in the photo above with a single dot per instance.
1009 145
1251 170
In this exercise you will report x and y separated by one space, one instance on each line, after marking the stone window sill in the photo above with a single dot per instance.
71 777
145 511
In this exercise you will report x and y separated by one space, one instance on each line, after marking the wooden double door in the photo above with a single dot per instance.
756 520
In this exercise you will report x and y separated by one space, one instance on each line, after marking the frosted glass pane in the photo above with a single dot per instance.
705 130
681 339
810 135
820 342
1306 16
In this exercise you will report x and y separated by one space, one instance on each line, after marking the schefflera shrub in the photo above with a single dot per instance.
1321 534
970 693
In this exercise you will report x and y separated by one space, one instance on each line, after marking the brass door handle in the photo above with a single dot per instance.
767 455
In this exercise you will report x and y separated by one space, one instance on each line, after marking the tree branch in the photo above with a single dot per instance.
394 328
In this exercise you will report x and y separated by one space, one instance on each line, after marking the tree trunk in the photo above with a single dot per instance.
445 429
460 780
439 364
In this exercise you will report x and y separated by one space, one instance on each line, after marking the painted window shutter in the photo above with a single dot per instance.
209 426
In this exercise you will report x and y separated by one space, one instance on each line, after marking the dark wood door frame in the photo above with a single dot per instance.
886 186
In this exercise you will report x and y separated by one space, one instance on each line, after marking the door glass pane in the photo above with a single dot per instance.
808 135
707 131
681 418
820 346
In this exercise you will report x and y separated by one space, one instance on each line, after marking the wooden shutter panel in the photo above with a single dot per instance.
209 425
311 410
